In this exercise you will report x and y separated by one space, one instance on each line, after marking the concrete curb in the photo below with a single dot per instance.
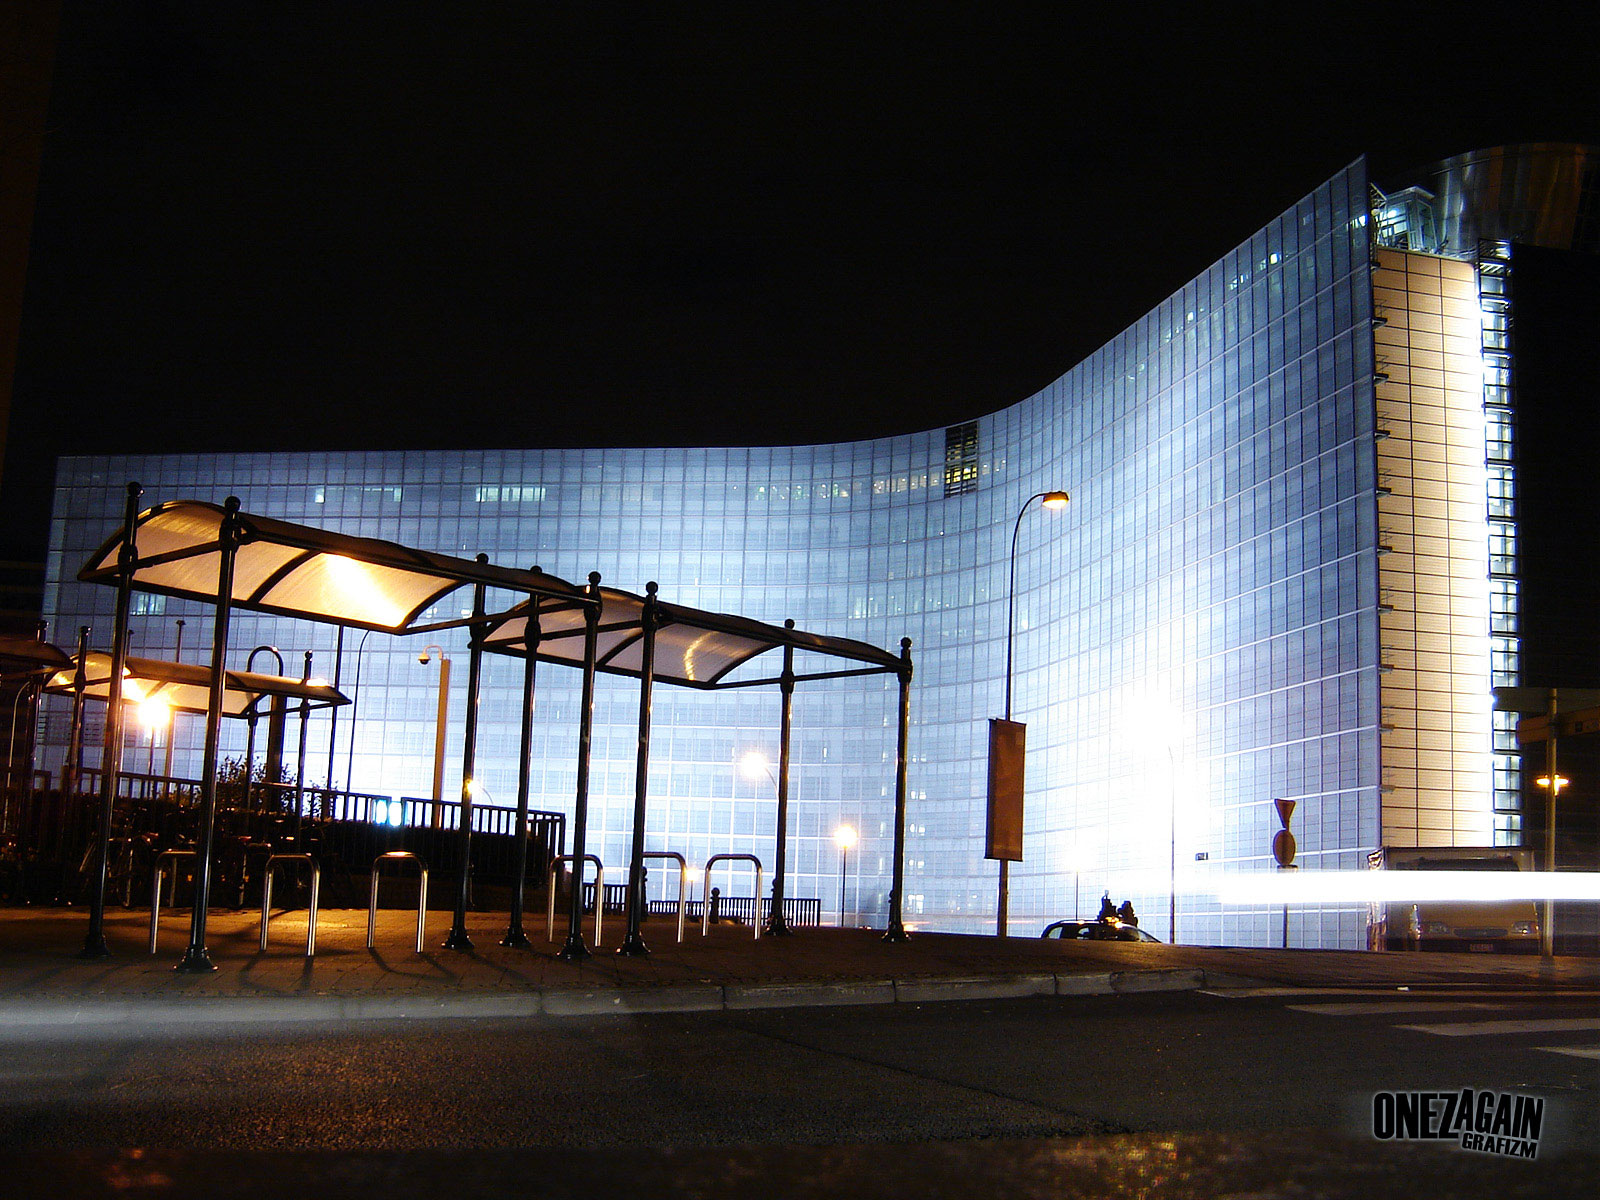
42 1015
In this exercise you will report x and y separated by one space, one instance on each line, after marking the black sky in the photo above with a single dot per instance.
273 226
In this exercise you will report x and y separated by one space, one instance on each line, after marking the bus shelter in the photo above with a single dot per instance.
648 639
228 559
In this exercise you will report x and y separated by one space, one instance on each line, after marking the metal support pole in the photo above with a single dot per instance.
897 930
94 942
333 712
633 940
515 936
440 721
776 924
300 764
574 950
1547 927
355 699
458 939
196 959
73 765
172 725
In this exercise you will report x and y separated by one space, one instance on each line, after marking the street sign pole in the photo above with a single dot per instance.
1283 849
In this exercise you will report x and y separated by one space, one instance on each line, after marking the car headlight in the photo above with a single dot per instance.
1526 928
1436 927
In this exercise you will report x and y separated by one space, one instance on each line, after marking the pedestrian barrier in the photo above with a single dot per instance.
705 884
683 881
266 897
599 891
155 887
396 856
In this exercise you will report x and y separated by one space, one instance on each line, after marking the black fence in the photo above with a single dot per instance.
47 838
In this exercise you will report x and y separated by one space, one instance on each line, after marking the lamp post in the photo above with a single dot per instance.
752 764
844 837
438 730
1552 785
1050 500
355 699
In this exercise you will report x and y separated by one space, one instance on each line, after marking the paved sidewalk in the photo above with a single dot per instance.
44 984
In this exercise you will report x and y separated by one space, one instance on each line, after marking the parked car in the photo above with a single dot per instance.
1096 931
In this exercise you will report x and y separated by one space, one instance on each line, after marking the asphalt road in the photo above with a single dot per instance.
1189 1062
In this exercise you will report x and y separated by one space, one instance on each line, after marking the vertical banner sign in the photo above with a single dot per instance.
1007 742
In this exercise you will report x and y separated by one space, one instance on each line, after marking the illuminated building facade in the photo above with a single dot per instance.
1273 580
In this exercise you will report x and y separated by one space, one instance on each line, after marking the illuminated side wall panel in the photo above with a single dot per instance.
1434 554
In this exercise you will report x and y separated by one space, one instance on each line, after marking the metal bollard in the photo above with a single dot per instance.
422 896
266 898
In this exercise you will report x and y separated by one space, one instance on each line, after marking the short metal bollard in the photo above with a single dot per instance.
683 882
155 888
266 897
577 882
422 895
705 887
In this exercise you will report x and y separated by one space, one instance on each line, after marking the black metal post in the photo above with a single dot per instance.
94 942
515 936
633 940
300 763
196 959
574 950
897 930
74 763
777 925
333 710
458 939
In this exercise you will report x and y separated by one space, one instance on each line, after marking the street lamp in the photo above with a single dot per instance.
844 837
155 713
1050 500
438 730
1547 929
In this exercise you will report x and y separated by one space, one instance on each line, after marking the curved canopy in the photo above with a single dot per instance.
693 648
300 571
186 687
30 656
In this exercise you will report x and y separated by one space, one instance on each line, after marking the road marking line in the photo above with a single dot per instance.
1484 1028
1575 1051
1389 1007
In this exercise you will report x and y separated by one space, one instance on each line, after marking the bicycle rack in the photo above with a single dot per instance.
155 888
577 882
683 882
422 896
705 888
266 897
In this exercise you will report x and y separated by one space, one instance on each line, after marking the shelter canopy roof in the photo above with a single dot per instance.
301 571
693 648
30 656
186 687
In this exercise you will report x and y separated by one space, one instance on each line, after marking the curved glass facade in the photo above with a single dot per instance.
1196 634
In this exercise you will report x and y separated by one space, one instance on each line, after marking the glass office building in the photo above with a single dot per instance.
1199 632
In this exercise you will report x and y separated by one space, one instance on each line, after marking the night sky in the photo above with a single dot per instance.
280 226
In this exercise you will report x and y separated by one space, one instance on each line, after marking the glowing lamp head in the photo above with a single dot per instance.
154 712
1561 782
1055 500
753 764
844 837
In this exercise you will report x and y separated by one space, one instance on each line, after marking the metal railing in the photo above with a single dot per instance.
422 895
798 911
705 884
266 897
